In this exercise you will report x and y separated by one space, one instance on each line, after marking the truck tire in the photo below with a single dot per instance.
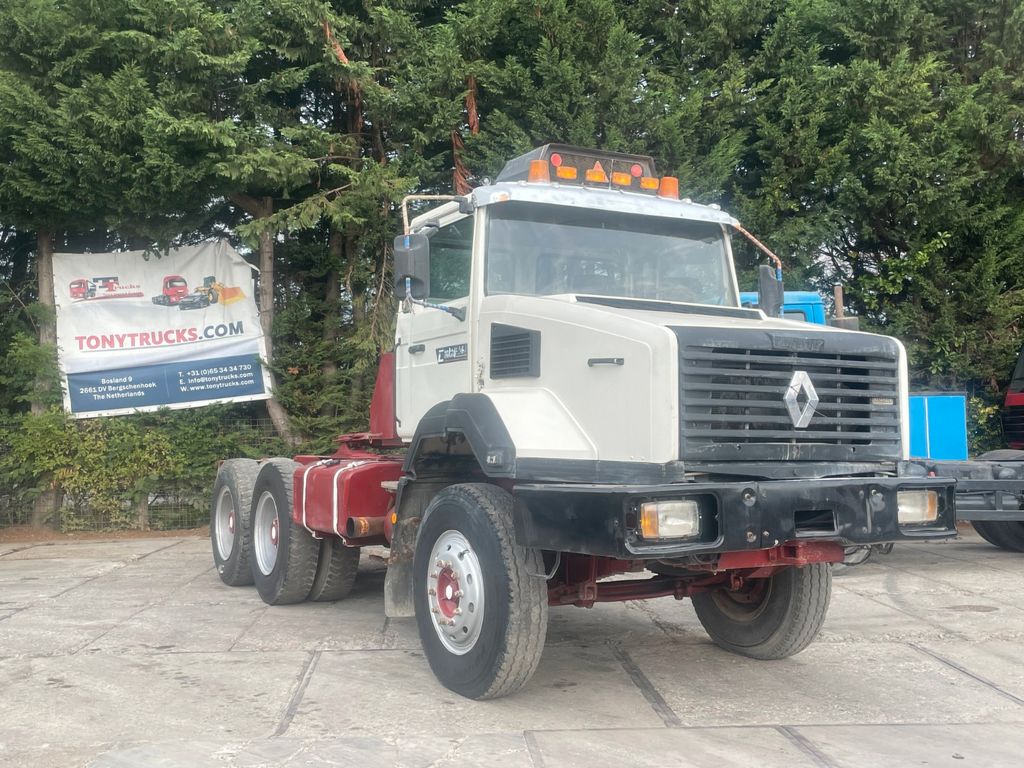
1005 534
230 529
335 571
778 618
284 554
482 613
1008 534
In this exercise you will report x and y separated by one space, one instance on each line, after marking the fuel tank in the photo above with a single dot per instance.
331 492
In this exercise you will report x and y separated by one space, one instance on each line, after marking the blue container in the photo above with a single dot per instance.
938 426
799 305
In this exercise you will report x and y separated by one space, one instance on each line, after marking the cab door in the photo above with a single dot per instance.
432 355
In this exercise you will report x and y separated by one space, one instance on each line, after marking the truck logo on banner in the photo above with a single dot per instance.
138 334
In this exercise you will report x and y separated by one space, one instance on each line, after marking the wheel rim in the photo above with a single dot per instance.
224 521
266 533
747 604
455 592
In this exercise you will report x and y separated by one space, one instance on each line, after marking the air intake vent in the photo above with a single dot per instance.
515 352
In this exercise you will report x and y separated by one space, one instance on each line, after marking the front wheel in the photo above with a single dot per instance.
769 618
481 607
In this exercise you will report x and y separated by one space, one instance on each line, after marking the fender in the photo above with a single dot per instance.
473 416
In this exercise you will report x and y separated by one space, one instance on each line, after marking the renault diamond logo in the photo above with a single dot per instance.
800 384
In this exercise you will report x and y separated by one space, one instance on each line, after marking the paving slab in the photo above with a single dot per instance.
657 748
958 613
827 683
976 578
49 756
51 568
936 746
194 628
856 618
629 623
999 662
500 750
123 549
105 698
574 688
51 627
352 624
27 592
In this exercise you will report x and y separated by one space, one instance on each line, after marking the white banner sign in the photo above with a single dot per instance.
138 332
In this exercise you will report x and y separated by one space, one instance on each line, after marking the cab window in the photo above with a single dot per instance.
451 248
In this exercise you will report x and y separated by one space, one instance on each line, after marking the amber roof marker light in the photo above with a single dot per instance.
540 170
669 188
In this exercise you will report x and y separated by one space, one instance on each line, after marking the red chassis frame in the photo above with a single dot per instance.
576 579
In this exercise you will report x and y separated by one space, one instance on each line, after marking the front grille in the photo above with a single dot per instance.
732 405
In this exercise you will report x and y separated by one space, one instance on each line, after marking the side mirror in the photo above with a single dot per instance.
412 261
769 290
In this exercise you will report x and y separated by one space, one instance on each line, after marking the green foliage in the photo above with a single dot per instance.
104 466
984 428
877 144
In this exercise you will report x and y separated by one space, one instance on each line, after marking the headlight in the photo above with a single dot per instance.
676 519
917 507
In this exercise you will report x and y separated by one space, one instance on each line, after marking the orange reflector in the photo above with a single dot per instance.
649 521
669 187
596 175
565 172
539 171
622 179
649 182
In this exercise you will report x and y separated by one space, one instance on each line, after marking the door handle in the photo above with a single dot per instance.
605 361
415 349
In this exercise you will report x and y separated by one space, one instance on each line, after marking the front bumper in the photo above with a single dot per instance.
601 519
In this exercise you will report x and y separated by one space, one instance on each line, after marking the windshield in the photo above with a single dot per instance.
541 250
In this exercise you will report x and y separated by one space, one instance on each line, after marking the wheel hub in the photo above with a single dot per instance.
455 592
223 523
448 593
748 602
266 529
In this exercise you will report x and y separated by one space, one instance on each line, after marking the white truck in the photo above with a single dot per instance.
576 393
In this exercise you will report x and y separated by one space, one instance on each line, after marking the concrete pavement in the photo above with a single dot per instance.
132 653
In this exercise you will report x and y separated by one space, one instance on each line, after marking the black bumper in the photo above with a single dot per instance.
985 490
601 519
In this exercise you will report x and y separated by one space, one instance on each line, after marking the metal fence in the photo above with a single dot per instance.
168 503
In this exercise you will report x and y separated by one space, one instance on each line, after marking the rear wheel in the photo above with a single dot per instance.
284 554
481 608
335 571
230 530
770 618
